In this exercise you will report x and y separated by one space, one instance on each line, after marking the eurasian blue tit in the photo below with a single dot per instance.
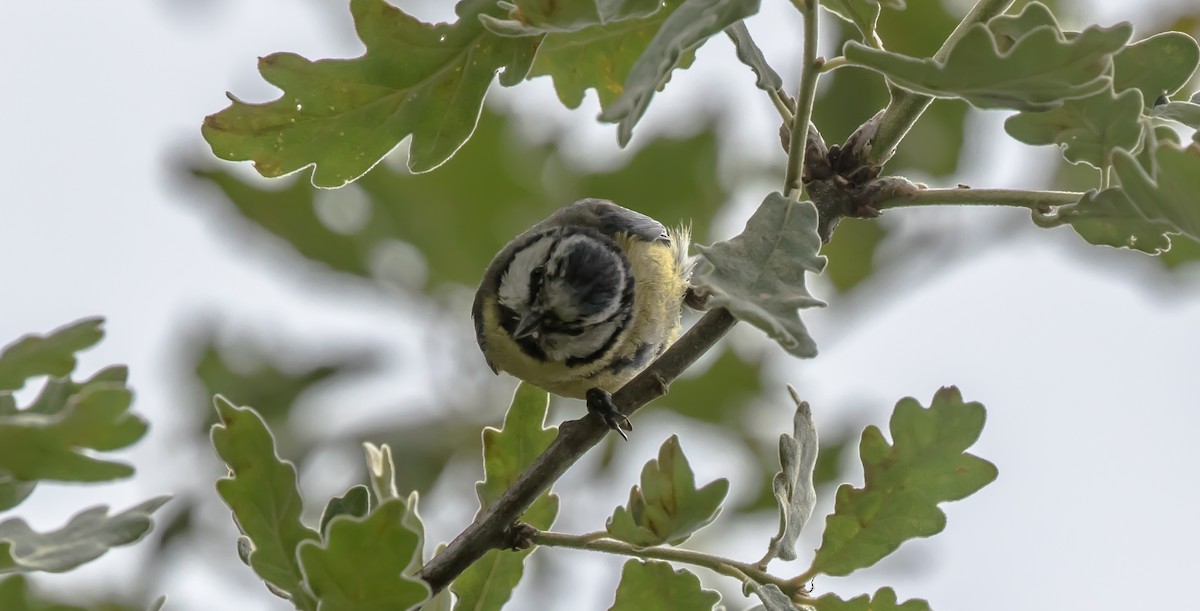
583 301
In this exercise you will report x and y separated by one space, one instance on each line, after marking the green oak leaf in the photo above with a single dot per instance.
54 445
599 57
344 115
1108 218
652 584
356 503
57 392
759 274
262 491
1187 113
1184 253
507 452
534 17
47 355
86 536
926 464
1170 195
1158 65
862 14
363 563
793 484
1042 68
1008 29
884 600
685 29
1088 129
667 507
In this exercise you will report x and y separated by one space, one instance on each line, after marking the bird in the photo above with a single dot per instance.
583 301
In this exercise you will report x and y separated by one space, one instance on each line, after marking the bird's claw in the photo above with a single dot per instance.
600 402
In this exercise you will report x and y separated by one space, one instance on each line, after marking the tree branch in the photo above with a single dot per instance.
906 107
574 438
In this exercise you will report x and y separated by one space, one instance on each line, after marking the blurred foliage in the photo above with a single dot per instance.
459 216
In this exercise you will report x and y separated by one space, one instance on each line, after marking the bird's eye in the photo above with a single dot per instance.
536 275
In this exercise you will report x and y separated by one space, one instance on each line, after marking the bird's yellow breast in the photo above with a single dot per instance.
659 288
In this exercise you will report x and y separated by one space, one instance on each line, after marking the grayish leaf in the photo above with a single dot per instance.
686 29
759 274
793 485
87 536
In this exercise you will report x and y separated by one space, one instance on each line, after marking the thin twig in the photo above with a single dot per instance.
740 570
574 438
1033 200
804 103
906 107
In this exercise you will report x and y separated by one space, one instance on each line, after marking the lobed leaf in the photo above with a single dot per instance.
599 57
1088 129
793 484
52 442
1108 218
684 30
1008 29
759 274
52 354
884 600
489 582
651 584
364 562
667 507
1039 71
86 536
862 14
926 464
344 115
262 491
1187 113
534 17
1158 65
1170 195
356 503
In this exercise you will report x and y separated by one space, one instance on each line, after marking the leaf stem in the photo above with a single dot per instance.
804 103
574 439
1039 201
834 63
906 107
732 568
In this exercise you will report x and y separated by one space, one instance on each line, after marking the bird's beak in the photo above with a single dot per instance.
528 325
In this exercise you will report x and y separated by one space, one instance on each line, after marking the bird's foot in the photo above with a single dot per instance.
600 403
